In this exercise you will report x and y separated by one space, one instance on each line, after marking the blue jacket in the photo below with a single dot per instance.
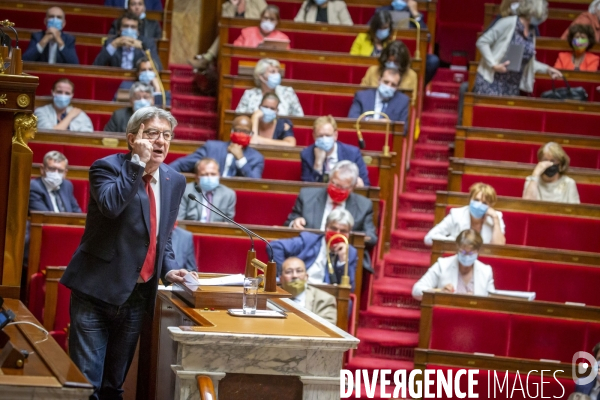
397 108
183 247
586 389
104 59
39 198
108 261
344 152
306 247
67 55
218 150
151 5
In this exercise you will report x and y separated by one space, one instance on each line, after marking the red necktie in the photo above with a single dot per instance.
148 267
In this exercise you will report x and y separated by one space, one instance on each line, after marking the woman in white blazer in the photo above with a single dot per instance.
478 215
461 273
333 12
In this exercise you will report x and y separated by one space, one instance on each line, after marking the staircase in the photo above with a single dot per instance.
389 328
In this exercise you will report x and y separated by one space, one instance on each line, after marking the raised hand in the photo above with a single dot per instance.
340 251
541 167
142 147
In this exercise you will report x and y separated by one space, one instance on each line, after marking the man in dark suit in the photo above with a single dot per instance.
51 192
235 157
183 247
592 389
152 5
148 27
319 158
52 45
128 47
140 95
386 99
125 249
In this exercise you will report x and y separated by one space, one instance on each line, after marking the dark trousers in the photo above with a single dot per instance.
432 63
103 338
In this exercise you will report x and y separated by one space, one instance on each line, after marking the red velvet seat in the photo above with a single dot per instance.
511 274
543 84
86 53
99 120
62 318
33 19
81 191
86 87
249 205
230 258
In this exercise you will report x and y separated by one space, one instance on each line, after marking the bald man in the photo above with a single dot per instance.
52 45
294 280
235 157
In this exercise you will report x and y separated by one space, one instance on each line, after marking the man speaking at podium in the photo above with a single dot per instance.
125 249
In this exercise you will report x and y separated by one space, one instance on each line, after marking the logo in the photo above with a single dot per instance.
584 372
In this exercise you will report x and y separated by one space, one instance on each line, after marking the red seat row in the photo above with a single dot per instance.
97 24
543 84
86 87
86 53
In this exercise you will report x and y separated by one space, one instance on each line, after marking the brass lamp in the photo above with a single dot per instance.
386 147
157 73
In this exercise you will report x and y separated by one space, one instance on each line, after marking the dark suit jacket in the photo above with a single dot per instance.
586 389
310 205
106 60
344 152
67 55
118 121
218 150
410 24
148 28
151 5
183 247
39 198
307 247
108 261
397 108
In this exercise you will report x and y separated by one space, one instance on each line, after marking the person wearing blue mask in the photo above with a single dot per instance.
267 78
319 158
152 5
145 74
461 273
267 128
478 215
140 96
148 28
371 43
207 180
128 47
59 114
333 12
52 45
386 98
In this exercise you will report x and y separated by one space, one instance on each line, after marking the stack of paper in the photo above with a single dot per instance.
530 296
228 280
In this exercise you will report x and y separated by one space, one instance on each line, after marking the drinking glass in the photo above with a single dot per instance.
250 295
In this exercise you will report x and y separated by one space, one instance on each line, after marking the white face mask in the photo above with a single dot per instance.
53 179
267 26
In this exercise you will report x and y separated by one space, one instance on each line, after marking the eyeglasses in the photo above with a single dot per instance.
153 134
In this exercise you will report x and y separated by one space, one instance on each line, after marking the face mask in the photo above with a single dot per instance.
337 195
399 5
580 44
53 179
267 26
536 21
387 92
466 259
268 115
514 7
141 103
330 234
325 143
129 32
147 77
240 138
382 34
274 80
320 2
477 209
295 287
61 101
209 183
55 23
551 171
391 64
142 15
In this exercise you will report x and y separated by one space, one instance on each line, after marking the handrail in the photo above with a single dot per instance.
206 388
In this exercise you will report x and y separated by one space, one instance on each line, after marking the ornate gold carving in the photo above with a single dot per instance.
3 98
23 100
25 126
3 65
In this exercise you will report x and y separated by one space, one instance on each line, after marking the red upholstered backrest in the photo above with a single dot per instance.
564 282
99 120
86 87
287 170
62 308
40 149
230 257
543 84
553 28
37 292
361 14
58 245
33 19
250 207
509 274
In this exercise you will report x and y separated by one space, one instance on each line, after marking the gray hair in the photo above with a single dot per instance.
533 8
579 396
140 87
261 67
145 114
341 216
55 156
344 169
594 6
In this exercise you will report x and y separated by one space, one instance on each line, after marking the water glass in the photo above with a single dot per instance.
250 295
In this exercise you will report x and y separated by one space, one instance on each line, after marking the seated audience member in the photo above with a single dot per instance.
385 98
319 159
493 77
146 75
140 96
394 55
267 79
591 389
59 114
207 180
581 39
312 249
147 27
51 192
590 17
235 158
371 43
294 279
151 5
125 49
548 181
52 45
478 215
461 273
267 128
314 204
183 247
254 36
334 12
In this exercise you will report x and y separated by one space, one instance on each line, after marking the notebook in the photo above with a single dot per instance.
514 54
400 19
274 44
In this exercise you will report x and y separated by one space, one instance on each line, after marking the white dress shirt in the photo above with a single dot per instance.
329 209
331 160
229 160
300 299
52 50
127 55
378 105
316 272
52 196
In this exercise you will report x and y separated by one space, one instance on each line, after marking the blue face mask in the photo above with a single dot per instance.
325 142
268 114
399 5
391 64
382 34
466 259
142 15
274 80
141 103
477 209
61 101
55 23
209 183
320 2
385 91
147 77
129 32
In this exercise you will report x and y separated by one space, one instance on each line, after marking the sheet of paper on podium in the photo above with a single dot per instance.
227 280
